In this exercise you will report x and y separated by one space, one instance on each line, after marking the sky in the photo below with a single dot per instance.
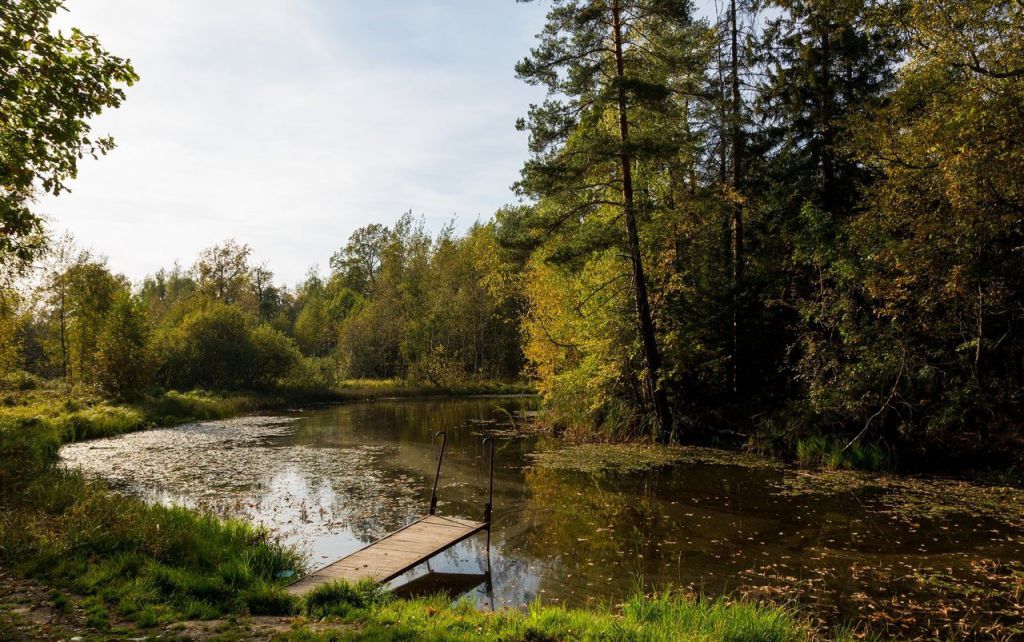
287 124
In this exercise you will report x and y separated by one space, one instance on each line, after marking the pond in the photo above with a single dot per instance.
908 556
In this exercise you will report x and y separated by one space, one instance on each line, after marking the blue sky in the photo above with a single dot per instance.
287 124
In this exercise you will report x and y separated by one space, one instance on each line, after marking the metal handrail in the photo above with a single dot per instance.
433 494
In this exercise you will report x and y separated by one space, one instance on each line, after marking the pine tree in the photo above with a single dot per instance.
611 111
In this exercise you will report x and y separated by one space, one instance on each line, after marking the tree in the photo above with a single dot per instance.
123 360
221 346
821 64
51 85
92 290
267 295
736 143
360 260
223 272
608 67
315 331
77 290
56 287
11 322
162 291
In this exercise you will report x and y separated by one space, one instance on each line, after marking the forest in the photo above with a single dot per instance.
398 303
794 228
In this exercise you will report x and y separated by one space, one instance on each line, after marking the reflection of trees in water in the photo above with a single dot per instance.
304 504
617 534
594 527
402 421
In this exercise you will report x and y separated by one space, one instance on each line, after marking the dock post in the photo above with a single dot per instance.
433 494
489 506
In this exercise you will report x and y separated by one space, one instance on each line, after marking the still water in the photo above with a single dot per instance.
915 558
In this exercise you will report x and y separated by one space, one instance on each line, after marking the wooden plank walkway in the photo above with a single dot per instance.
396 553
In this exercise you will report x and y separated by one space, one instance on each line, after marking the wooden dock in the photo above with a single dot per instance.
394 554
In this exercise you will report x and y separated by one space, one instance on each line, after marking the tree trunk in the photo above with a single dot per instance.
63 336
736 244
828 165
652 355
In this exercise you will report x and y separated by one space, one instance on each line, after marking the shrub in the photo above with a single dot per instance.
313 373
222 347
274 355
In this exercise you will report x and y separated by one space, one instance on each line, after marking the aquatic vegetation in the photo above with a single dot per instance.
380 388
626 458
912 498
593 458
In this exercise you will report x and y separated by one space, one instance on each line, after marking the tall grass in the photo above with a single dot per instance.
819 451
666 617
139 558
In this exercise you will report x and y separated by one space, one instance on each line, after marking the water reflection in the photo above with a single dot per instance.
332 479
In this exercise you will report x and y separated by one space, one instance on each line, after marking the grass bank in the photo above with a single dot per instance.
153 564
79 414
664 617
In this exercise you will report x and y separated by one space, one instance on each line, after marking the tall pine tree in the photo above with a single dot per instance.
611 112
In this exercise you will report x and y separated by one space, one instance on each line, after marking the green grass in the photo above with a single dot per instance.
819 451
659 618
80 414
153 564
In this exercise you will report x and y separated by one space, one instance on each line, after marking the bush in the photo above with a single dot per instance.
313 373
222 347
274 355
19 380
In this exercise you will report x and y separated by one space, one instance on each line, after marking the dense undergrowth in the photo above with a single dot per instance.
156 565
